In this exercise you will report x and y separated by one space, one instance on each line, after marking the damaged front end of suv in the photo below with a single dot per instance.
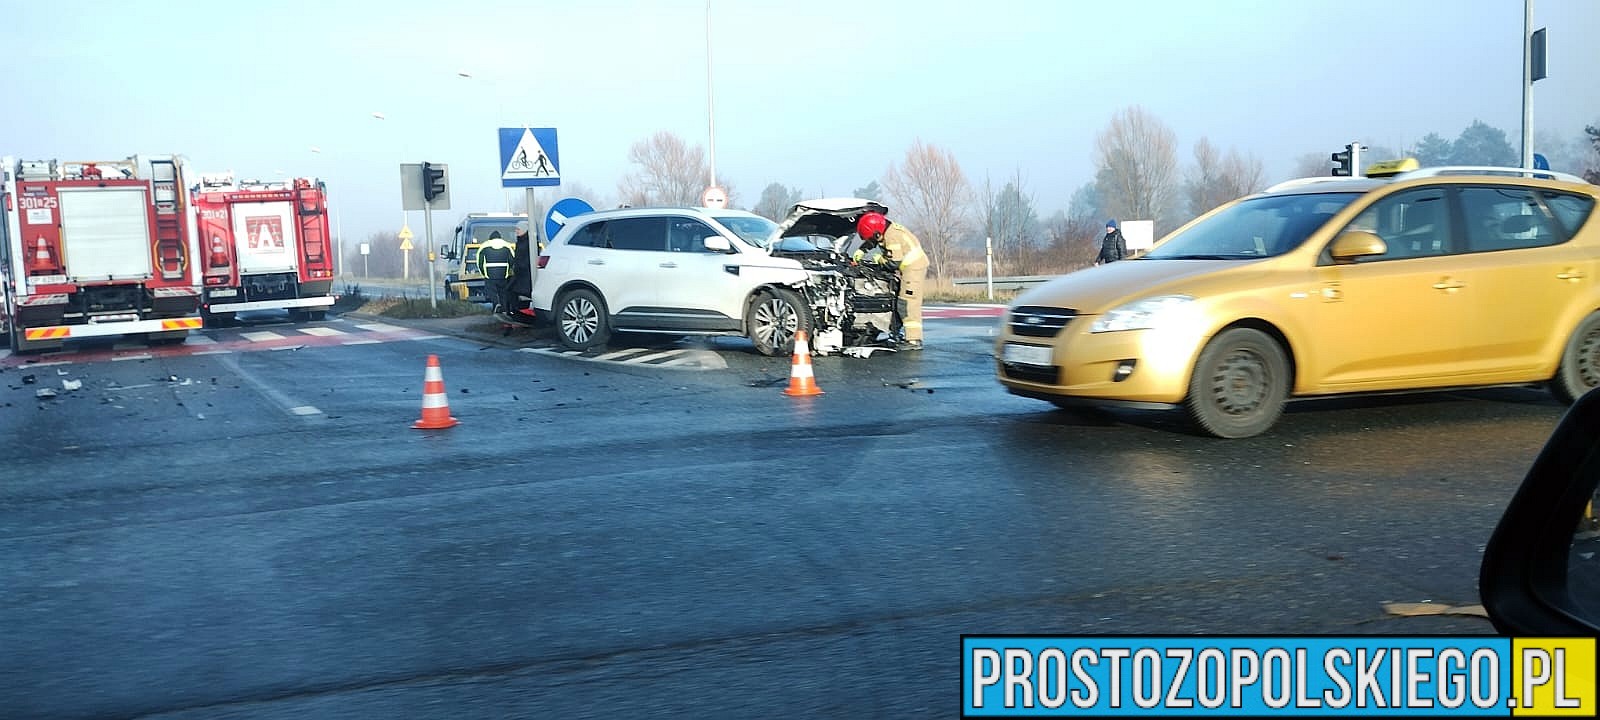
852 304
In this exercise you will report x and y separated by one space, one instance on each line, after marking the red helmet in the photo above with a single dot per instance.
871 225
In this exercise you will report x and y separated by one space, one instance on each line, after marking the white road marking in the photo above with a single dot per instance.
200 340
323 331
261 336
380 327
143 356
362 342
213 352
655 356
304 410
620 354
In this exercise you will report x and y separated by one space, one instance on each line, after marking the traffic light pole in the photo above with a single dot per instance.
427 229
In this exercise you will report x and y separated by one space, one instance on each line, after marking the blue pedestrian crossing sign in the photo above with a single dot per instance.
528 158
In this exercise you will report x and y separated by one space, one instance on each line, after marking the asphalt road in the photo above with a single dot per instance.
248 527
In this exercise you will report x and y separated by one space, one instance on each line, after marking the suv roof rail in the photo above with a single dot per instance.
1302 182
1488 170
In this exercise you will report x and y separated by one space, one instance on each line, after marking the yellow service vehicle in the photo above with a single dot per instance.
463 278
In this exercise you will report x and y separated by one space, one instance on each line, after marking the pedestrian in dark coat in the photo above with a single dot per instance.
1112 247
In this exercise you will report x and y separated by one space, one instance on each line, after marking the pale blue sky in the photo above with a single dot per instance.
821 95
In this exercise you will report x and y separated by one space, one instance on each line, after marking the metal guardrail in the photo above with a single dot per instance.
1014 282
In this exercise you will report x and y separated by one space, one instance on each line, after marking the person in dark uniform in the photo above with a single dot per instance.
496 258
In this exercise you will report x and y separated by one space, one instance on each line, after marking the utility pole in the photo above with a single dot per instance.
711 112
1527 84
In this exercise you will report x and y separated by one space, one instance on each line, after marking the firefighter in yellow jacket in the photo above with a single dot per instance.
904 251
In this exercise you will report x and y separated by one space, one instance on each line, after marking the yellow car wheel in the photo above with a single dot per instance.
1580 362
1239 385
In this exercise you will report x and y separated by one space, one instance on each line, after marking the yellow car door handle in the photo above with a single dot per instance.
1570 275
1447 284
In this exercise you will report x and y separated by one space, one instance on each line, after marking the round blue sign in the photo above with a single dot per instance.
559 212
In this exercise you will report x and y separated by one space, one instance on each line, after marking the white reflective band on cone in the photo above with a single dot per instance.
433 374
434 400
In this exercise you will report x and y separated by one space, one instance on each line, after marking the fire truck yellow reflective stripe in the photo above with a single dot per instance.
48 333
181 324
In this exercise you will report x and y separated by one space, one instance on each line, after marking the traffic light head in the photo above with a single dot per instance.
1343 163
433 181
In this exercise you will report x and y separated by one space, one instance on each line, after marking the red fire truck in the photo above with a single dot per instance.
264 246
93 249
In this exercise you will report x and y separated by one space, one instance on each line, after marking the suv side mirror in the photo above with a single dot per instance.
1540 570
718 243
1356 243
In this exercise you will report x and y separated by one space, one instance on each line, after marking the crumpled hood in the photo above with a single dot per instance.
1098 289
832 217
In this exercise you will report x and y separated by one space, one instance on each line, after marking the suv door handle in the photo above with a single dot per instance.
1570 274
669 265
597 261
1448 284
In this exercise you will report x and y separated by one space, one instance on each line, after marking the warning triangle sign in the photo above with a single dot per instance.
529 161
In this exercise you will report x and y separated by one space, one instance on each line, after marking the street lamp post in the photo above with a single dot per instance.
711 108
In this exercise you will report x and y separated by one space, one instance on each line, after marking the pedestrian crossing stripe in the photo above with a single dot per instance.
529 161
684 358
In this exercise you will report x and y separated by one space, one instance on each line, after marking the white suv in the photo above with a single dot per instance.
677 271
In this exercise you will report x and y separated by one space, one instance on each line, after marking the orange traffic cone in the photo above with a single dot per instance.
801 380
43 259
435 403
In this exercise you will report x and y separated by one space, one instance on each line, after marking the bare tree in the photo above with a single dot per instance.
931 194
670 172
1313 165
1138 166
1009 221
1074 242
776 200
1217 178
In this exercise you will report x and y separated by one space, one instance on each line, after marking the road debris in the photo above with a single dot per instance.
1428 608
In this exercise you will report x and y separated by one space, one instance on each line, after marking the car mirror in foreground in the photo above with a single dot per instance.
1356 243
717 243
1541 572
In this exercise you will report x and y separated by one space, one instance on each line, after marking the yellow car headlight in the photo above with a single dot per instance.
1147 314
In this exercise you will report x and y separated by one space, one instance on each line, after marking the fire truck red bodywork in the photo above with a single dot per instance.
263 247
95 249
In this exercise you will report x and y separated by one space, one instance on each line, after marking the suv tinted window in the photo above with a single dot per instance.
688 235
1414 223
1572 210
1505 218
645 233
590 235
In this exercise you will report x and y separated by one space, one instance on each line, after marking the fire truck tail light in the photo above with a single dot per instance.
543 261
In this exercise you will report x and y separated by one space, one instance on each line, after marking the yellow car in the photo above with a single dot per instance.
1404 280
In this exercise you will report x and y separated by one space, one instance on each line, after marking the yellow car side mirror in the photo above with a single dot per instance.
1356 243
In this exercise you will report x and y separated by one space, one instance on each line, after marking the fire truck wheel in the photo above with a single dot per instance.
176 337
216 320
23 347
318 314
